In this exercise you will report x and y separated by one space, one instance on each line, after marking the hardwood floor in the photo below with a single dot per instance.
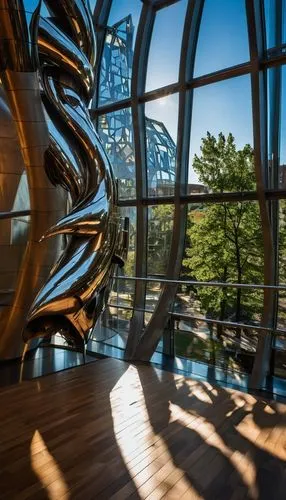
115 430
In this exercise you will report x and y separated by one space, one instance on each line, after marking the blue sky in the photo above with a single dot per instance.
220 107
122 8
222 42
165 48
223 38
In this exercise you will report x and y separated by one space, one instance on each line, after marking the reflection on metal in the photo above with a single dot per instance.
78 284
26 146
60 137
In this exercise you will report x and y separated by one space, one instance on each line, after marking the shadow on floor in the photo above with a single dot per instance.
220 457
109 429
61 445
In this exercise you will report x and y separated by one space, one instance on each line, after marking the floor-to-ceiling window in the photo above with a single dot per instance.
190 107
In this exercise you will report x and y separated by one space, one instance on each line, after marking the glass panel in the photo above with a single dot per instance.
44 10
129 267
223 37
161 139
13 239
276 118
221 156
279 358
117 57
22 196
223 244
282 173
121 296
199 337
275 17
231 349
116 132
92 4
165 48
123 290
160 229
122 293
152 295
113 327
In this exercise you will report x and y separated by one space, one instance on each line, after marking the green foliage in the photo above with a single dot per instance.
222 168
129 266
224 240
160 225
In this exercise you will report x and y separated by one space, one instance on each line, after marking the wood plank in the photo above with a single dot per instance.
115 430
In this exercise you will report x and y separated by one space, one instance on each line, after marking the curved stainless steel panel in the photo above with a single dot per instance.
77 286
58 144
77 14
18 65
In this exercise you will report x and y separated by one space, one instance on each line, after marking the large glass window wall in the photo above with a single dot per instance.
193 120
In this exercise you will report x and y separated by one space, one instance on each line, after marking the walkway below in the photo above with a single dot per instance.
114 430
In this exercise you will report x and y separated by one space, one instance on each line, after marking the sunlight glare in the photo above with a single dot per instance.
48 473
162 101
133 439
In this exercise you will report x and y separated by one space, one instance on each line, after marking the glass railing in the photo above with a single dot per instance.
193 333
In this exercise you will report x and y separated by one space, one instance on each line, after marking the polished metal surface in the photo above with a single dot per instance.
78 284
47 67
27 144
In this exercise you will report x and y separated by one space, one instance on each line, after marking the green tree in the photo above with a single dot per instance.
224 240
160 226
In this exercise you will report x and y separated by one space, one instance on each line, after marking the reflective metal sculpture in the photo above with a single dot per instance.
25 115
55 58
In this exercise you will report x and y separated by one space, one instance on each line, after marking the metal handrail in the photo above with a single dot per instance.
15 214
179 315
231 324
202 283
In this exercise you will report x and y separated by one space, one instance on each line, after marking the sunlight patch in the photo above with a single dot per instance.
47 471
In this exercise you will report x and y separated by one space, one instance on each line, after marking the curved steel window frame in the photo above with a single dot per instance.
141 345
